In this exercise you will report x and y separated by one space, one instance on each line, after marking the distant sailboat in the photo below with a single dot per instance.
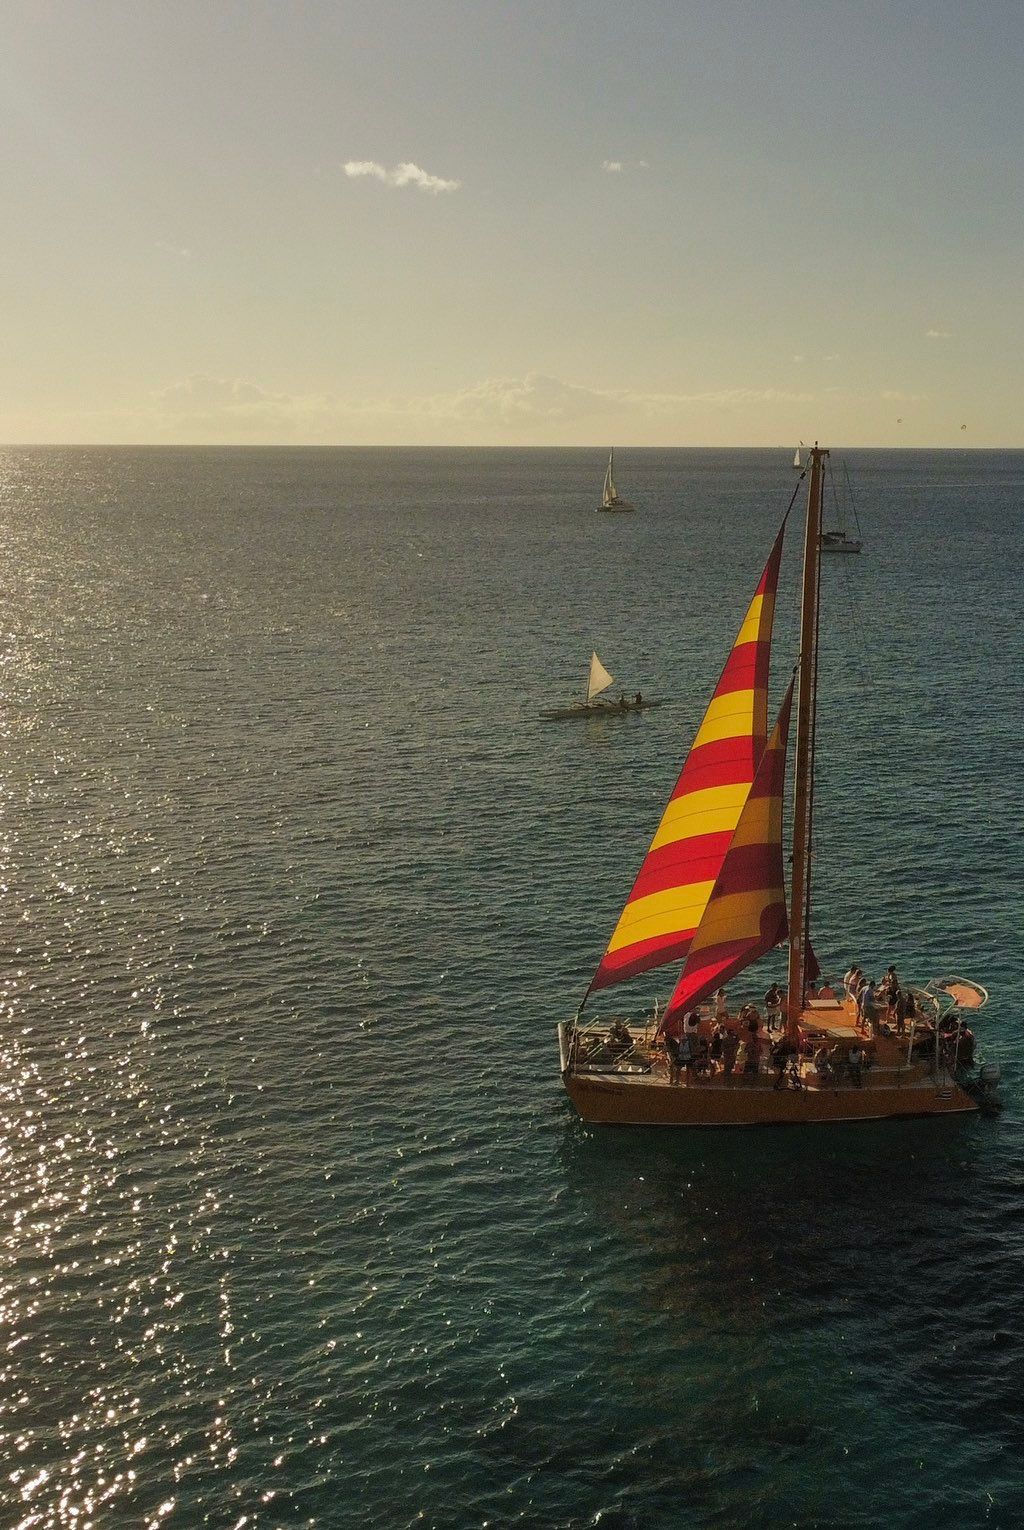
837 540
796 460
598 680
610 500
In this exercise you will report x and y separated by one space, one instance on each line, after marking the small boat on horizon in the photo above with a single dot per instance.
611 502
711 894
598 680
838 539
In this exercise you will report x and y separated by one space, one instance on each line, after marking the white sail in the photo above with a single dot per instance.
796 458
610 495
599 680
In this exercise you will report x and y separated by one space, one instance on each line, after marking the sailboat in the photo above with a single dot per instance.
610 500
711 894
796 460
837 540
598 680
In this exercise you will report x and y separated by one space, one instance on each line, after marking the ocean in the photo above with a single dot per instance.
298 1227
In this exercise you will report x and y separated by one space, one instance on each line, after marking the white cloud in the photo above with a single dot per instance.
937 334
613 166
538 397
203 408
181 251
405 174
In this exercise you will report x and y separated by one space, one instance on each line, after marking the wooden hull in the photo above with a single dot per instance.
652 1102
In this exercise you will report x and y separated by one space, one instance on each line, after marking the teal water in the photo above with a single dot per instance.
297 1225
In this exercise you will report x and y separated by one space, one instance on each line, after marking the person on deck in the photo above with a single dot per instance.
721 1005
780 1055
826 991
851 982
866 1006
855 1063
752 1048
823 1065
716 1047
773 1008
898 1011
673 1058
730 1047
694 1047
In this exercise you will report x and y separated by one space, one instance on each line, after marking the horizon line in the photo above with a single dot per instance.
460 446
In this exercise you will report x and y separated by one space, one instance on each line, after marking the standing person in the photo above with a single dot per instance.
866 1006
695 1049
779 1056
721 1005
851 982
898 1007
855 1063
716 1047
752 1050
730 1047
672 1058
773 1007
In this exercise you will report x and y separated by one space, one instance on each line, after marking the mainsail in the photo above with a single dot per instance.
746 913
676 879
599 679
610 495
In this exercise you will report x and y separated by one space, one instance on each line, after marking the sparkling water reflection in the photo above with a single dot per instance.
297 1226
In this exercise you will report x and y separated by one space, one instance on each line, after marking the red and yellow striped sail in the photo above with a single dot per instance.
746 914
675 881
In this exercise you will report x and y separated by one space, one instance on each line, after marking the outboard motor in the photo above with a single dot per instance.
985 1088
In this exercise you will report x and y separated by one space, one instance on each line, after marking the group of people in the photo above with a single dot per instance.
730 1046
703 1048
886 1003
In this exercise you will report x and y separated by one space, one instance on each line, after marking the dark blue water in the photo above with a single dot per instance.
297 1226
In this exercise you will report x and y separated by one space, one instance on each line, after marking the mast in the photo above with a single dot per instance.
803 793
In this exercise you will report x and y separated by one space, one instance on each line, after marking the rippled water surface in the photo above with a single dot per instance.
297 1226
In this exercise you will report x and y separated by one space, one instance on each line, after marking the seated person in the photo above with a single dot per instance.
823 1064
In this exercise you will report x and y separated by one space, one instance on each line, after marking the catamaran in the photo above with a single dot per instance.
610 500
710 893
838 540
598 680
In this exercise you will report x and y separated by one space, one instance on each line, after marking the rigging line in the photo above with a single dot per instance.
885 771
849 490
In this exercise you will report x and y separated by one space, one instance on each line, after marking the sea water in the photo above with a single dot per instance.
298 1225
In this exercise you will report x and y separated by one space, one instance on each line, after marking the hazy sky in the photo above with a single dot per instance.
512 221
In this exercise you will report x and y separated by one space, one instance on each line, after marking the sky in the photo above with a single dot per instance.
512 222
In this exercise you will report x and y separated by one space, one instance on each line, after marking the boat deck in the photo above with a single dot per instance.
630 1081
